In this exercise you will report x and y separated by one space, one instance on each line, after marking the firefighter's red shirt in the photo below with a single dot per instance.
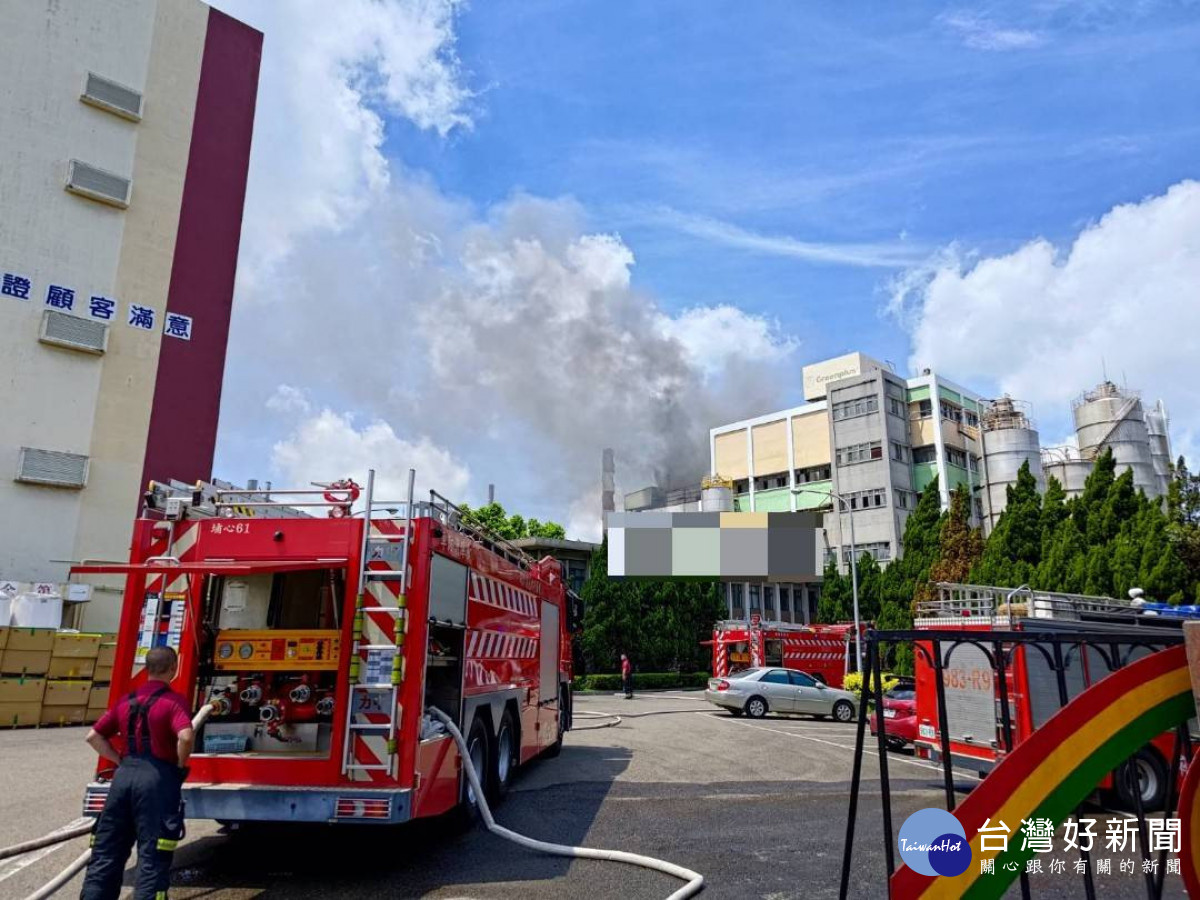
168 716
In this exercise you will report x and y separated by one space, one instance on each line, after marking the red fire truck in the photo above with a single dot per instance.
972 698
319 641
824 651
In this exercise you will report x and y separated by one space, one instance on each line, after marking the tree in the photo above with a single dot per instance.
960 546
1183 515
660 623
1014 548
492 517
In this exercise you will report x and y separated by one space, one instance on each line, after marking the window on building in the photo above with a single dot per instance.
873 498
892 389
742 486
924 409
956 457
972 419
785 603
769 602
904 499
951 412
812 473
978 509
860 406
781 481
859 453
881 551
926 454
737 606
756 598
896 407
899 452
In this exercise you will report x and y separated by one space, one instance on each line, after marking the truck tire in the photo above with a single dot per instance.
477 748
507 757
756 707
1149 777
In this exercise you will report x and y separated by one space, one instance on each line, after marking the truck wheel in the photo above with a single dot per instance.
477 749
756 707
508 757
1146 773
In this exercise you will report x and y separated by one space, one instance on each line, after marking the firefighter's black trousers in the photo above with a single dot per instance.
143 805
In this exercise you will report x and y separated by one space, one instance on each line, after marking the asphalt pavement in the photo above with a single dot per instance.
758 807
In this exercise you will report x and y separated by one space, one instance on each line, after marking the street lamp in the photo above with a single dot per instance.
853 564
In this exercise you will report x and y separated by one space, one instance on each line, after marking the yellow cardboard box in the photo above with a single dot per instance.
13 714
22 690
103 674
66 693
98 696
77 646
63 715
32 639
24 662
71 667
106 654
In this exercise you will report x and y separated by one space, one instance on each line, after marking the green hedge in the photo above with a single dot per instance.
644 681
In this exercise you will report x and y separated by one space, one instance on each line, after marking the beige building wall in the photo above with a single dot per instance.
729 453
59 399
770 448
810 440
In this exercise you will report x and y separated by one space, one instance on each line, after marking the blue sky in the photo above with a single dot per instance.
796 162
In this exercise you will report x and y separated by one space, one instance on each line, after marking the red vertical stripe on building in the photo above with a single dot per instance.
187 392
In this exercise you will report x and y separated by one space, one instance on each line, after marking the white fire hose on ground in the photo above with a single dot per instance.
695 881
73 831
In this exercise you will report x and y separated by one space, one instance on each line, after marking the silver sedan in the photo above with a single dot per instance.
757 692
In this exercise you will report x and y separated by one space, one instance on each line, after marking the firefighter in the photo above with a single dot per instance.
144 803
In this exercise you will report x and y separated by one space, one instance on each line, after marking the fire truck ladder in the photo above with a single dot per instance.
378 735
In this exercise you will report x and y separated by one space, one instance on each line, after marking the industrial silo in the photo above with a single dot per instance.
1064 466
1160 445
1010 440
1111 418
716 494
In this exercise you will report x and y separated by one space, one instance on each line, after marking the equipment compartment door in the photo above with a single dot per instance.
548 673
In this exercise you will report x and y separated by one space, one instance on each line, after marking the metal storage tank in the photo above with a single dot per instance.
716 494
1070 472
1160 445
1010 440
1111 417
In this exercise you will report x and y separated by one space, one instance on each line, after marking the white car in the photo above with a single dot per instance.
757 692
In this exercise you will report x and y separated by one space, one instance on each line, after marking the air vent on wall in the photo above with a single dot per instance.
97 184
112 97
64 330
52 467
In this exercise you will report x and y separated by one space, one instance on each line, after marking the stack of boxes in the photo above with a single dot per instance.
49 677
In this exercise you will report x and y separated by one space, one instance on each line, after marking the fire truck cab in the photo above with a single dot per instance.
314 644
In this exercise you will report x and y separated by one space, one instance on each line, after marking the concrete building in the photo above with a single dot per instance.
575 556
123 166
866 433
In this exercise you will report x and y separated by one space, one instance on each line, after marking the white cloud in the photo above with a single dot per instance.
288 399
713 336
979 32
583 522
1043 324
886 255
328 446
327 78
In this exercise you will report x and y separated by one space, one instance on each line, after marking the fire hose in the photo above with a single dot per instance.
69 832
695 881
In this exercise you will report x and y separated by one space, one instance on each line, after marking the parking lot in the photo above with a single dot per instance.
757 806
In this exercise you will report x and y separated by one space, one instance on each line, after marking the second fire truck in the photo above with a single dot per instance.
318 642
